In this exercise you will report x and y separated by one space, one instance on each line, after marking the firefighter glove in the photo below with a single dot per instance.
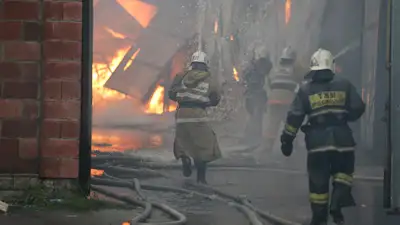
286 144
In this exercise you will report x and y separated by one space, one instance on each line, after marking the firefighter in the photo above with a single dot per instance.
329 102
256 97
194 91
282 82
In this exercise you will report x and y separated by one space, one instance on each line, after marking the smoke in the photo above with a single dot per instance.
245 29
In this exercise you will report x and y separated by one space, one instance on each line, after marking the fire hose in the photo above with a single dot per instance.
240 203
147 167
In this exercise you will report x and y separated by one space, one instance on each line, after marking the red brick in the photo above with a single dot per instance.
70 129
62 110
30 109
68 31
10 30
19 71
32 31
28 148
22 50
52 89
58 50
21 10
19 128
69 168
51 129
73 11
59 168
10 108
29 71
60 148
9 70
71 90
53 10
25 166
20 89
62 70
9 154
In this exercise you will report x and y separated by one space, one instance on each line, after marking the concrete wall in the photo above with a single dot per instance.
40 73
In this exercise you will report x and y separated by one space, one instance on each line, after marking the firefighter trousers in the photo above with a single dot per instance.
321 167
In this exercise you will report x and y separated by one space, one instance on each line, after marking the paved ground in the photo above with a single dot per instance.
277 191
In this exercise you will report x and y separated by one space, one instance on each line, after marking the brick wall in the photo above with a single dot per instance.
40 73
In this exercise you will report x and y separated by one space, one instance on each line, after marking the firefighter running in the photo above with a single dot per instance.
256 97
329 102
282 82
195 90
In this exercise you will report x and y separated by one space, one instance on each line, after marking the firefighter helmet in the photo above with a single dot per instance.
288 54
322 60
200 57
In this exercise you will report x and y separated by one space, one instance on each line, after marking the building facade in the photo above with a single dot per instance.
41 83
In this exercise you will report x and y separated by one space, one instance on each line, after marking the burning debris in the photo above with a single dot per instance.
288 10
235 74
95 172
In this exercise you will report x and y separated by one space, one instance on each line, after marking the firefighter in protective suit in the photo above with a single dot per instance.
256 97
329 102
194 91
282 83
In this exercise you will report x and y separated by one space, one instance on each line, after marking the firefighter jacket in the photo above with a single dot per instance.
283 77
329 102
194 90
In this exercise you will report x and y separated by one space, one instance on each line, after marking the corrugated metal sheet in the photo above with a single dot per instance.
171 28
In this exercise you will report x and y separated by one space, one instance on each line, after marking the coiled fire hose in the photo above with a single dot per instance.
148 167
241 203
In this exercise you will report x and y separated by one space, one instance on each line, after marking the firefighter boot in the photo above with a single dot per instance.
186 166
337 217
316 222
201 172
320 214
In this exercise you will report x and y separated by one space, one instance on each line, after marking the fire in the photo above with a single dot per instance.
156 103
95 172
288 10
101 73
216 26
231 38
235 74
114 33
143 12
131 59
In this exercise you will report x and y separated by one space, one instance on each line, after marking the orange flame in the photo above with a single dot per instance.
288 11
94 172
216 26
235 74
101 73
231 38
131 60
114 33
156 102
143 12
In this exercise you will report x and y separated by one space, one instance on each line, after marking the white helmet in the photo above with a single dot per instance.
288 53
200 57
322 60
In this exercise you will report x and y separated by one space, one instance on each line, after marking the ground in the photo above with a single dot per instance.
278 191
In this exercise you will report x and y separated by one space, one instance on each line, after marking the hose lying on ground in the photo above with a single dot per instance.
236 201
146 163
137 186
141 217
180 218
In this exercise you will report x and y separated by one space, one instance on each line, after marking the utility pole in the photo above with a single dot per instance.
394 68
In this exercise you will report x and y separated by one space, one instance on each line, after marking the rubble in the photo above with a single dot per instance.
3 206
